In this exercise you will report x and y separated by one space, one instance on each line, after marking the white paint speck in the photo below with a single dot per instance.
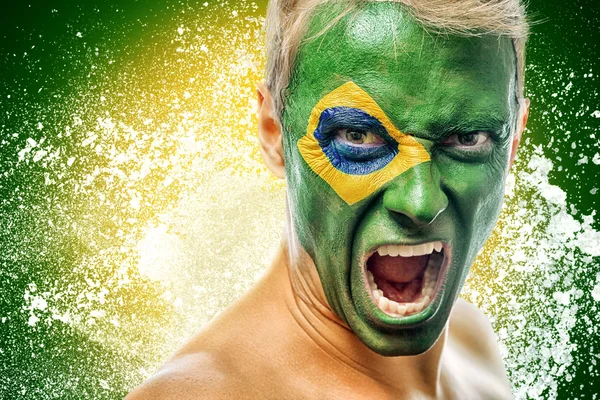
562 298
32 320
596 292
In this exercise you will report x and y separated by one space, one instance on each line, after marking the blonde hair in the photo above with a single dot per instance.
287 22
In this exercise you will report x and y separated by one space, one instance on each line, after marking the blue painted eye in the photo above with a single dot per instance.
355 142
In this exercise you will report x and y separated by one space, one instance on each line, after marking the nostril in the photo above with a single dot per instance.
415 219
404 220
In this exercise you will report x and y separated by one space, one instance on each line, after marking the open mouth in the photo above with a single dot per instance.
403 280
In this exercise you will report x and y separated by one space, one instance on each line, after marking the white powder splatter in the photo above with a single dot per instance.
596 292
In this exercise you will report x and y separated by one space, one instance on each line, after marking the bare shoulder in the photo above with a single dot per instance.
472 328
190 376
472 337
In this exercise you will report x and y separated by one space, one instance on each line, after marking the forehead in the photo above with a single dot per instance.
420 79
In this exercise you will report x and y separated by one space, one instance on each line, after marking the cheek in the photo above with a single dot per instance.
322 221
477 193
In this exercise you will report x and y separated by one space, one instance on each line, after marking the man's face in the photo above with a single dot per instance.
396 143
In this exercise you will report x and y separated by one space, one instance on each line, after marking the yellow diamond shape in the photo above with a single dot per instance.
354 188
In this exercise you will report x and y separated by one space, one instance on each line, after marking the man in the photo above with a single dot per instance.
394 125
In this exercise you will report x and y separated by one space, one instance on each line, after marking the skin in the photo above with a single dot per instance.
308 329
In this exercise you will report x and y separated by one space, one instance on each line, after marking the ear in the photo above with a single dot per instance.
522 122
270 133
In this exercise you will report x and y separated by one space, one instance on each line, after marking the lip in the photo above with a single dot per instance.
425 314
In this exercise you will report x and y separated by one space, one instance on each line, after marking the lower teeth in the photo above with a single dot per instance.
402 309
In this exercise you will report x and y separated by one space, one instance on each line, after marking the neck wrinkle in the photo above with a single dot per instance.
306 302
320 324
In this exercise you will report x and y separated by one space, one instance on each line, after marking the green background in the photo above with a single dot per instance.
39 48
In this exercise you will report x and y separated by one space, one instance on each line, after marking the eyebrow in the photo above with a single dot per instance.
461 124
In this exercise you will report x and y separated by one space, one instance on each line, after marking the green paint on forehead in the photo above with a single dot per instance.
423 81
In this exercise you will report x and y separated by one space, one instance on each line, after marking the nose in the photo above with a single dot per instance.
416 197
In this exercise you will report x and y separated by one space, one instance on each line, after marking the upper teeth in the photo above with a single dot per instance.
395 250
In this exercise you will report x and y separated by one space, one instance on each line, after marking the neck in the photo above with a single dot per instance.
306 303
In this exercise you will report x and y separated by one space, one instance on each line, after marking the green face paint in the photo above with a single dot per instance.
451 100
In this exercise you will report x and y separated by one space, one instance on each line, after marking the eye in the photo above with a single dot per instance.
354 142
472 140
357 137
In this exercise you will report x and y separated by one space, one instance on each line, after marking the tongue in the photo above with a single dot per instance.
400 278
397 269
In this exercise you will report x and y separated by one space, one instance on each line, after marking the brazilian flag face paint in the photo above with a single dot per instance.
396 142
356 170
